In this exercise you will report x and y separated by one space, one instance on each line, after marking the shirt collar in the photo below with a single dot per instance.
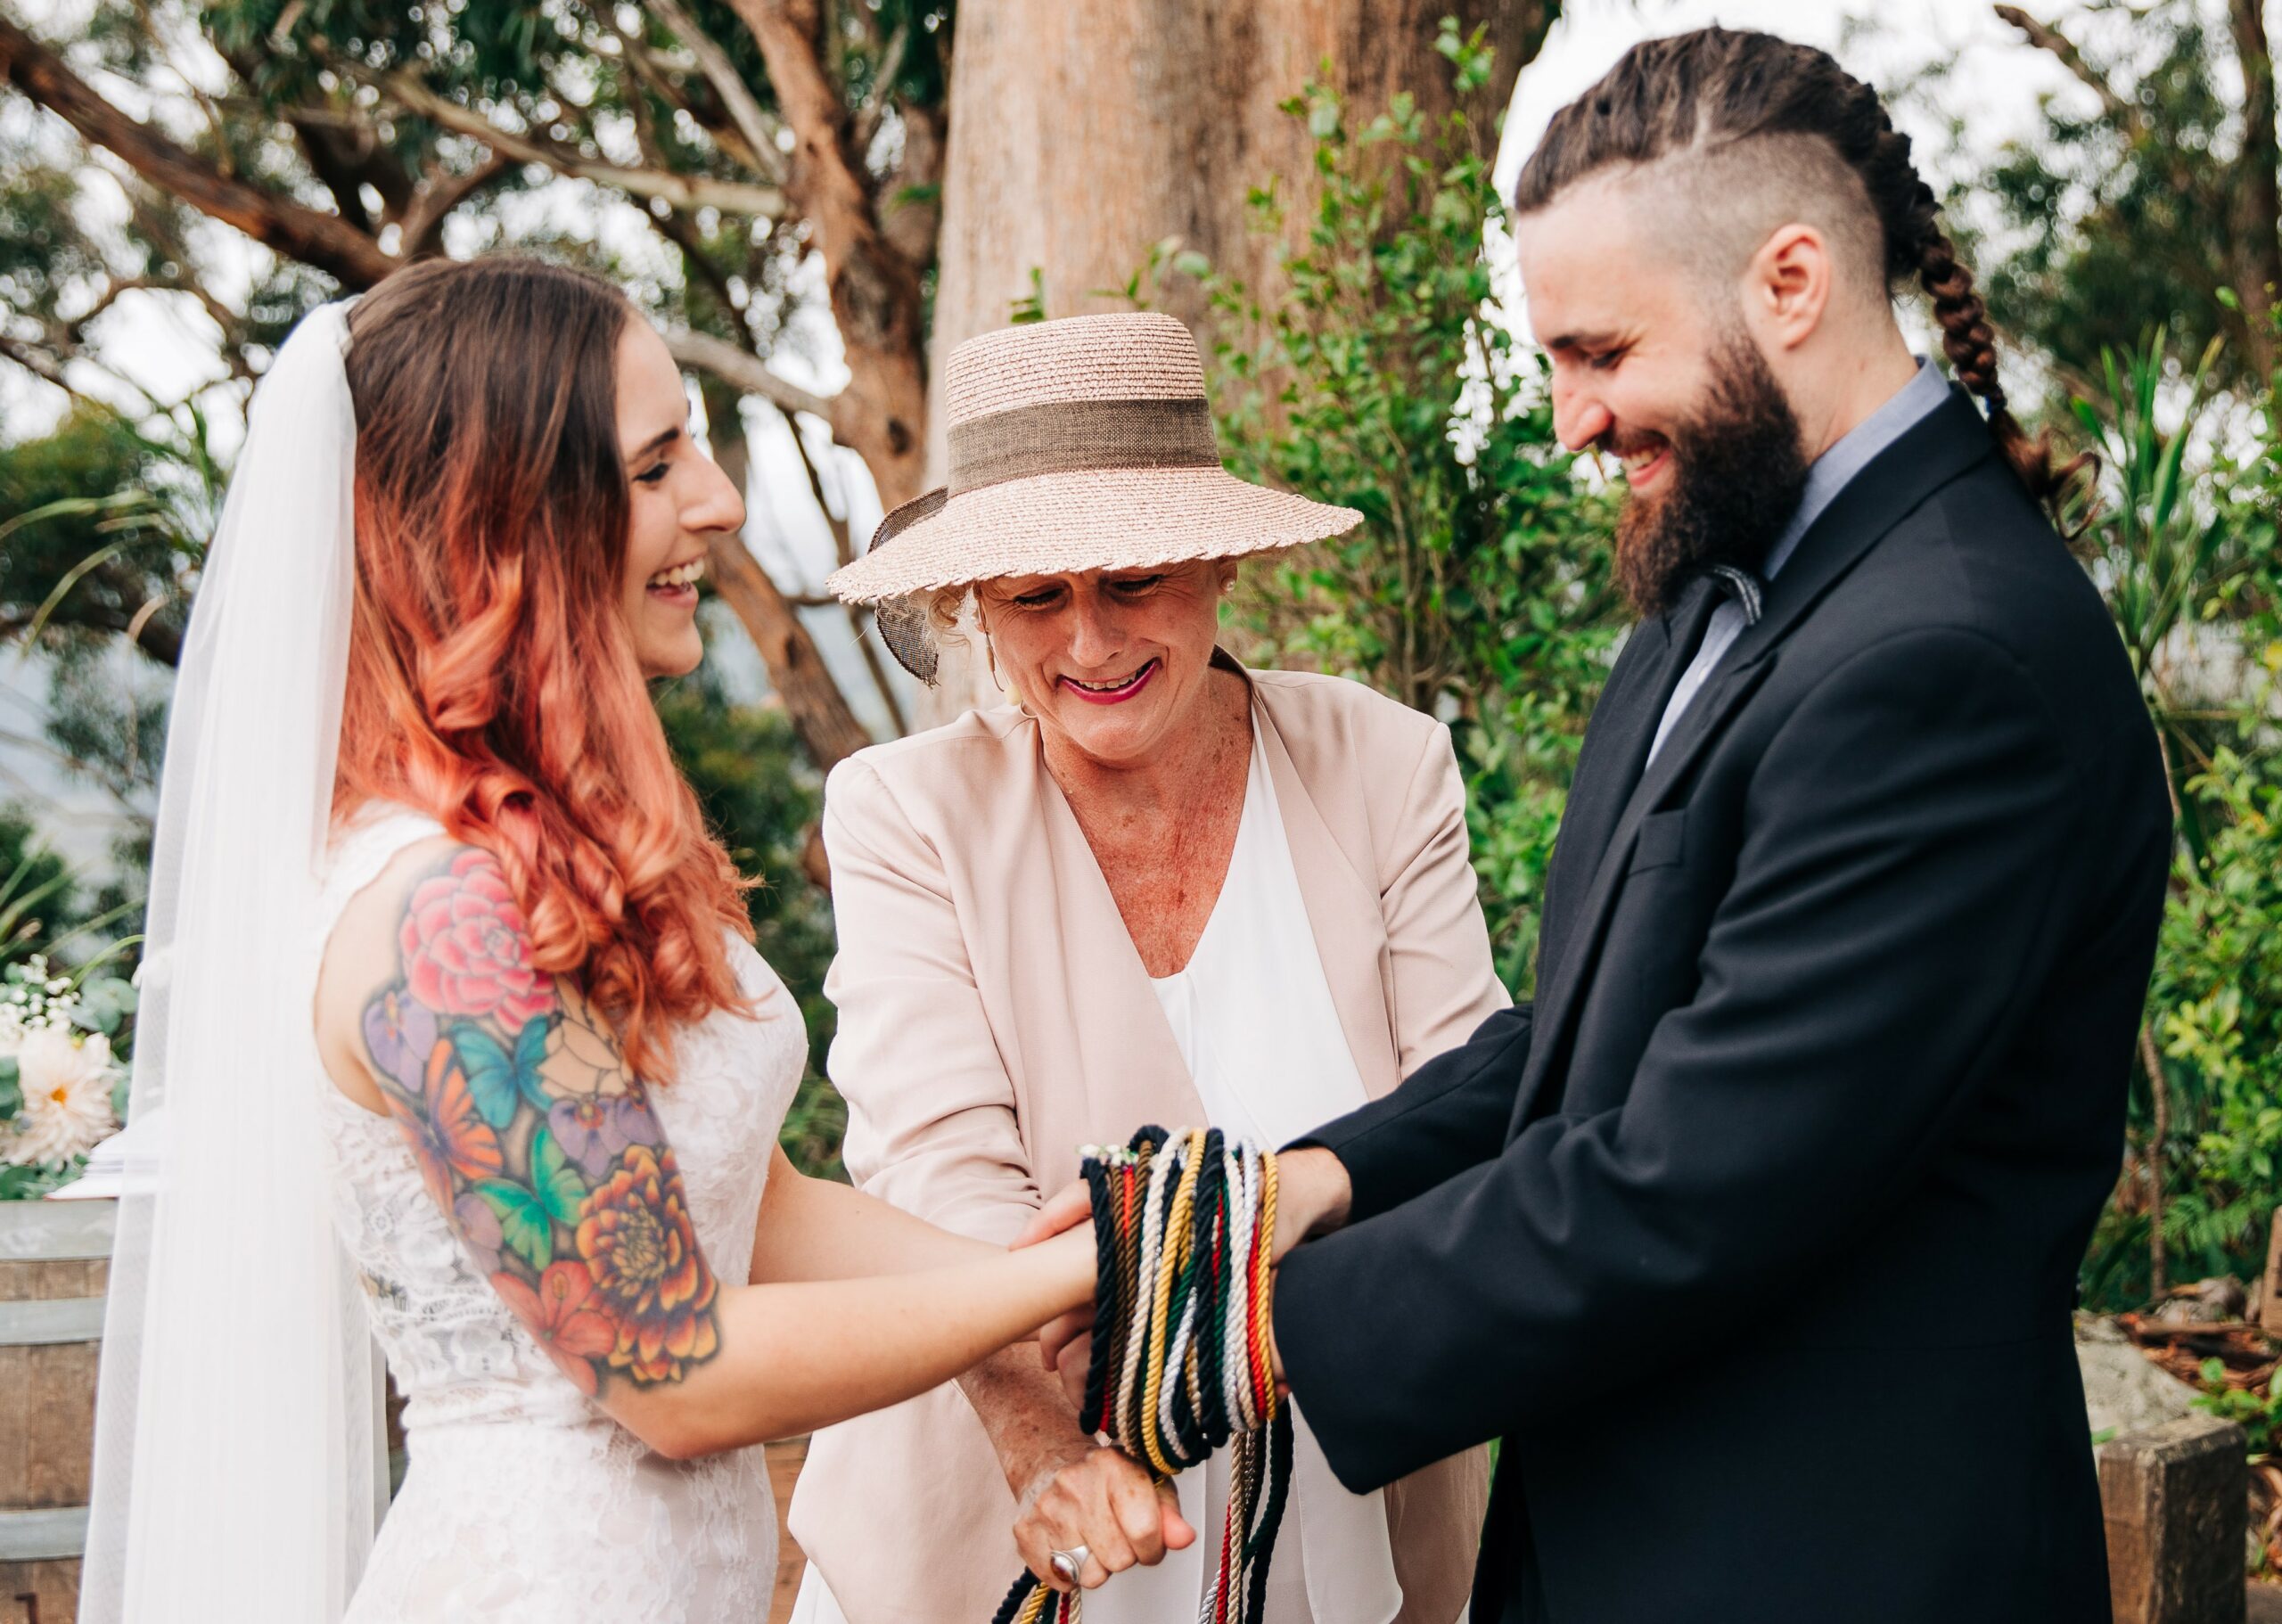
1857 448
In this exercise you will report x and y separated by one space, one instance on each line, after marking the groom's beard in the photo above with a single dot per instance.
1737 472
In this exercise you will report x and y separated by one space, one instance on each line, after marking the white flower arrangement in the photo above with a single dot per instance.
65 1080
57 1064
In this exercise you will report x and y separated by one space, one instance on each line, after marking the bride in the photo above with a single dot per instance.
454 1035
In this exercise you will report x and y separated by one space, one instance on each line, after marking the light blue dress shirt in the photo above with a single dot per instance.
1831 472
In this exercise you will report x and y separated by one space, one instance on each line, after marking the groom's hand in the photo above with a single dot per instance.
1098 1498
1313 1194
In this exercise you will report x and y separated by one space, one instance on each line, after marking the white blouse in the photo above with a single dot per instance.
1252 1013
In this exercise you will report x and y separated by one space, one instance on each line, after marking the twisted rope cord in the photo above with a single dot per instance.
1183 1230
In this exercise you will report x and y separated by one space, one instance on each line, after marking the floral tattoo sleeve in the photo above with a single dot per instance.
534 1137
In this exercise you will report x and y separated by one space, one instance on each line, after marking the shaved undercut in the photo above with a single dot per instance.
1722 136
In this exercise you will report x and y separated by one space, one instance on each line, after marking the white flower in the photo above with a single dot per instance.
66 1086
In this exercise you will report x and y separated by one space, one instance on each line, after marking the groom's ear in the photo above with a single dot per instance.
1788 287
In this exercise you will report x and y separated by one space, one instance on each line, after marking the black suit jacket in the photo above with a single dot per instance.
1756 1239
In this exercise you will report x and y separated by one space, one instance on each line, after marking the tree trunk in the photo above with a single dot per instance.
2258 201
1085 131
875 291
827 728
1114 124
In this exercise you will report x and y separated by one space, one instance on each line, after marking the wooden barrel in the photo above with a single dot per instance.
55 1262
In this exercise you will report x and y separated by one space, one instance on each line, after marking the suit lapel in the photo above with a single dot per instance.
1945 443
1608 765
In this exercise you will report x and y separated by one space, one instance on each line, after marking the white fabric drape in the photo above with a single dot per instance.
239 1473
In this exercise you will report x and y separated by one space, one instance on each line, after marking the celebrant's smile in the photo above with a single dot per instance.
1114 693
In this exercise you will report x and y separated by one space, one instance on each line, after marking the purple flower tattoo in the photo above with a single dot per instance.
593 1129
400 1034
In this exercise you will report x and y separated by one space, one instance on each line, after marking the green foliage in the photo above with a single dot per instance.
95 521
34 1181
2183 546
2216 1006
1381 376
1030 308
2258 1414
2123 220
37 900
762 797
2177 547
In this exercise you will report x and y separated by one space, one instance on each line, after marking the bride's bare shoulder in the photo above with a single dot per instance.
363 955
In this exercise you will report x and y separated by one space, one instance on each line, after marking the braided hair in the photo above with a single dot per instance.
1759 106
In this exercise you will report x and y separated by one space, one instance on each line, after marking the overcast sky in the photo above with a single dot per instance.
168 350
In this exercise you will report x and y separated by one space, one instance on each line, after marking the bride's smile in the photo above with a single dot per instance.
676 496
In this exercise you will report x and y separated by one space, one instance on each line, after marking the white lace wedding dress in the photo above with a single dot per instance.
523 1500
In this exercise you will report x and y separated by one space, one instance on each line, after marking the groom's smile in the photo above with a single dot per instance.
1654 369
1645 461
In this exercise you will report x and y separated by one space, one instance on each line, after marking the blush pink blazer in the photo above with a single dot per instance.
994 1016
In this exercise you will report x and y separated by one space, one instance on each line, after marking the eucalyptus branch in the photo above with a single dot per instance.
438 194
324 241
744 371
659 72
39 363
843 550
677 191
883 78
713 62
2045 38
677 228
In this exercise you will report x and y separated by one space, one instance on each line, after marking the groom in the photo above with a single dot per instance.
1754 1238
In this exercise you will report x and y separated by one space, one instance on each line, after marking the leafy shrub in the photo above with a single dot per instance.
1382 376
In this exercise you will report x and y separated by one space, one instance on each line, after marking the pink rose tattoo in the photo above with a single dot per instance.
463 943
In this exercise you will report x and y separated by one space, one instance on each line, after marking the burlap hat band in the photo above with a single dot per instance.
1080 436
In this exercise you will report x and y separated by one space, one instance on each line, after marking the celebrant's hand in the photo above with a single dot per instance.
1097 1497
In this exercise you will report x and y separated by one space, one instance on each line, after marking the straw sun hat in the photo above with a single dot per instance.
1079 444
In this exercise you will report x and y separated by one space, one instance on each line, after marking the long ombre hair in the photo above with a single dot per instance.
492 678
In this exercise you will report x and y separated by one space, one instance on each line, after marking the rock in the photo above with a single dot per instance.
2218 1300
2124 1392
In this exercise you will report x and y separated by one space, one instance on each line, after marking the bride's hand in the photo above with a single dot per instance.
1069 1207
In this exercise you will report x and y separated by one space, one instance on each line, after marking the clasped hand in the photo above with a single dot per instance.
1099 1496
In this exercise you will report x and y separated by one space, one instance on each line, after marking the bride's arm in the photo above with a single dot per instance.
814 1229
539 1145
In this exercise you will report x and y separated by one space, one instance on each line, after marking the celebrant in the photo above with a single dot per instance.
1155 886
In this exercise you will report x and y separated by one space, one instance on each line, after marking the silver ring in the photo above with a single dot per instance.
1068 1564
